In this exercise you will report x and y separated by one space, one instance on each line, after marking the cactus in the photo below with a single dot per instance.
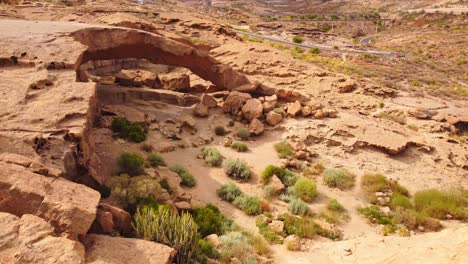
167 227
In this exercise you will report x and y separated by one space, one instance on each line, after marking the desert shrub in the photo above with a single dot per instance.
267 232
131 163
229 192
372 183
234 244
212 157
165 185
298 207
237 169
136 133
155 160
338 178
220 131
187 178
284 150
167 227
305 189
412 219
259 245
286 176
439 204
300 226
120 125
335 206
314 51
208 219
374 215
268 192
396 187
204 251
243 134
399 200
315 169
239 146
231 123
146 147
297 39
251 205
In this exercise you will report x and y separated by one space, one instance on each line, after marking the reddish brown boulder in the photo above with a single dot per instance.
200 110
208 100
256 127
294 109
252 109
273 118
235 101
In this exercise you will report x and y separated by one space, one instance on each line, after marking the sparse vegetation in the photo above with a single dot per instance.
212 156
334 212
298 207
440 204
297 39
251 205
243 134
334 205
284 150
187 178
305 189
147 147
372 183
287 177
131 163
239 146
156 160
220 131
132 131
338 178
314 51
314 170
237 169
229 192
267 232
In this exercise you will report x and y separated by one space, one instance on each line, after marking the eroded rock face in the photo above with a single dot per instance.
101 249
30 239
69 207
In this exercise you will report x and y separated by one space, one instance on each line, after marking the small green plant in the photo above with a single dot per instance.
131 163
120 125
132 131
297 39
239 146
335 206
286 176
187 178
267 232
212 156
284 149
302 227
165 185
231 123
156 160
314 51
147 147
164 226
399 200
439 204
136 133
237 169
243 134
235 244
204 251
374 182
374 215
412 219
298 207
305 189
251 205
314 170
338 178
220 131
279 111
229 192
208 219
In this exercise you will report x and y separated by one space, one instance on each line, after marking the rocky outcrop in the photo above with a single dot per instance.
30 239
69 207
101 249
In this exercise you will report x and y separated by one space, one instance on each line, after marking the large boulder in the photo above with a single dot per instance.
110 218
102 249
69 207
179 82
294 109
252 109
273 118
276 185
256 127
235 101
208 100
30 239
200 110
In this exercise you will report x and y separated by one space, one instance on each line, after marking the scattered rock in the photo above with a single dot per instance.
294 109
256 127
319 114
208 101
273 118
423 114
128 78
227 141
235 101
421 228
252 109
200 110
270 103
306 111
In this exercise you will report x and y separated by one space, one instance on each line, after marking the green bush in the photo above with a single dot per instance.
305 189
155 160
205 250
314 51
284 149
212 156
412 219
220 131
297 39
167 227
338 178
372 183
243 134
438 204
302 227
335 206
237 169
187 178
131 163
251 205
267 232
239 146
120 125
136 133
399 200
286 176
229 192
208 219
298 207
374 215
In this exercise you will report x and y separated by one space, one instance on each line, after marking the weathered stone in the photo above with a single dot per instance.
273 118
235 101
127 78
319 114
294 109
101 249
200 110
208 100
276 185
306 111
178 82
30 239
256 127
110 218
347 86
183 206
252 109
277 226
270 103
